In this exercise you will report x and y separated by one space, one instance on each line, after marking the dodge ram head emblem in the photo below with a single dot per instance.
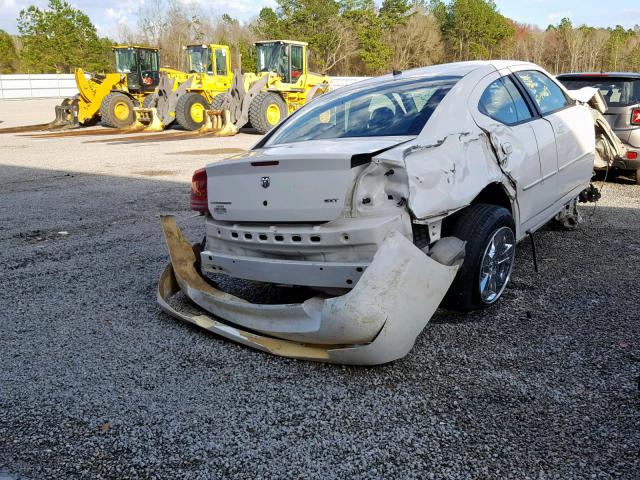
265 182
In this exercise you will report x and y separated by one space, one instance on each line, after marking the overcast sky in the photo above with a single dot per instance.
106 14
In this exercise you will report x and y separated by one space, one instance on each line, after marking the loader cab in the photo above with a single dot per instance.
141 65
286 58
209 59
213 61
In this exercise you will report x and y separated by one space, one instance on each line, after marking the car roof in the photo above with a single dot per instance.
461 68
600 75
456 69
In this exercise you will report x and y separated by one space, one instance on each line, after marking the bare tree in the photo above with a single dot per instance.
416 44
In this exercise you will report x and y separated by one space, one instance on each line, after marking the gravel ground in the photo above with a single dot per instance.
97 382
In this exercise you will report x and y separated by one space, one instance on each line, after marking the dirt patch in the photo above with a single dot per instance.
35 236
156 173
210 151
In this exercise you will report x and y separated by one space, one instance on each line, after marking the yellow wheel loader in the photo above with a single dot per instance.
282 84
186 99
112 96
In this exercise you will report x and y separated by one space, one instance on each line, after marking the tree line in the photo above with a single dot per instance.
346 37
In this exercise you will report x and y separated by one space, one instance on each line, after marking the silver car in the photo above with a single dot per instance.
621 92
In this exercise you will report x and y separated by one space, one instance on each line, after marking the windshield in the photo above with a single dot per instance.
199 59
272 58
125 60
393 109
617 92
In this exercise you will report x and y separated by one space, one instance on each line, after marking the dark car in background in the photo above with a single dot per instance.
621 92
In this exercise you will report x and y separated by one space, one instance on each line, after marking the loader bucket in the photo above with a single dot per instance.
219 122
66 114
147 119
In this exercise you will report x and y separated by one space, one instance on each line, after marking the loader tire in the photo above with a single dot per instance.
150 101
267 110
116 110
216 103
190 111
481 226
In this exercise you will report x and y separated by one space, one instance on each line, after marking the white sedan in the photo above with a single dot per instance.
384 197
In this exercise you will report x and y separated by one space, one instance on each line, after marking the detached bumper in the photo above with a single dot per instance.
374 323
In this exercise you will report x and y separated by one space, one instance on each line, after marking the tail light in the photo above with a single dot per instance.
635 116
632 155
199 191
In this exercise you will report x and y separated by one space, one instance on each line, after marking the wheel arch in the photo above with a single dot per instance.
494 193
124 92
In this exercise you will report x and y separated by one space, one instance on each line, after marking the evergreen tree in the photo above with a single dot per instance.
59 39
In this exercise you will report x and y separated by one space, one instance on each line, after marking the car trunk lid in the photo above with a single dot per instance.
299 182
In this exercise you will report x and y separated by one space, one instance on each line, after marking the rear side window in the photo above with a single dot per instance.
503 102
221 62
546 93
296 62
617 92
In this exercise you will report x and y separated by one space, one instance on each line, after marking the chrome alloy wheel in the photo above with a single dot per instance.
496 265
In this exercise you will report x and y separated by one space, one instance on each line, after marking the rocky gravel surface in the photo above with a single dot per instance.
97 382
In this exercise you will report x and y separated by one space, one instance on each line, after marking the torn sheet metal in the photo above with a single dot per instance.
376 322
590 96
442 179
608 146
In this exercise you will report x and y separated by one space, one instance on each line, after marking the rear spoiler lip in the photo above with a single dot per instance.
364 158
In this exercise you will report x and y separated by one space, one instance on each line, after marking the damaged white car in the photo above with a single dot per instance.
384 197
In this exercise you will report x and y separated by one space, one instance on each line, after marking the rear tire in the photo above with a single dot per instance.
267 110
482 226
191 110
116 110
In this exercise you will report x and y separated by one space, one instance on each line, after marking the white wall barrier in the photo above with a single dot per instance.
64 85
37 86
337 82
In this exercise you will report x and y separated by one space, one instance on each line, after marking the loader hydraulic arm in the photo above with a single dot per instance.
92 92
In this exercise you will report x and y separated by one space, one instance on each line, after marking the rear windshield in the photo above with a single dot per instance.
617 92
399 108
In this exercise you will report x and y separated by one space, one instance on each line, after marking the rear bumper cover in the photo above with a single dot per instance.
376 322
293 272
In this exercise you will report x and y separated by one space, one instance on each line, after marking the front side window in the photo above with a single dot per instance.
503 102
199 59
395 109
547 94
221 62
